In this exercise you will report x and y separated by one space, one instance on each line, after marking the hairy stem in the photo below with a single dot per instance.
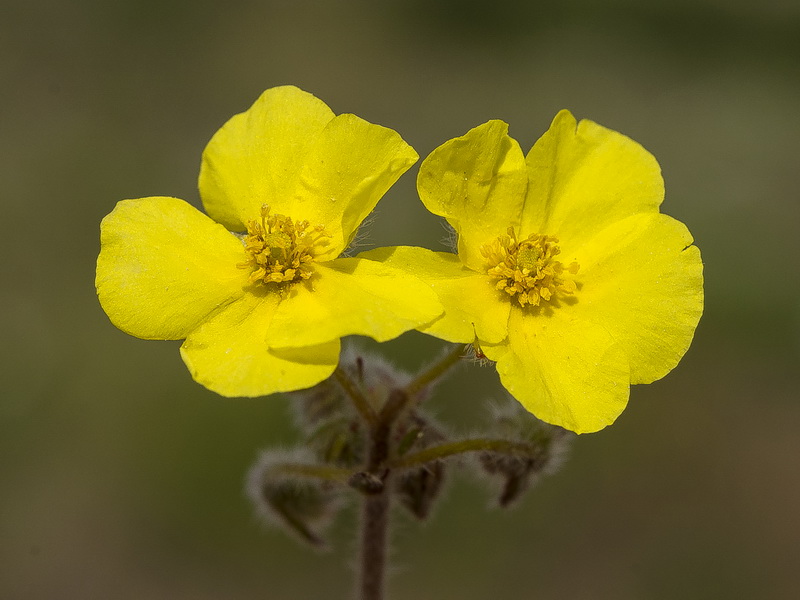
321 472
376 504
460 447
360 401
435 371
374 542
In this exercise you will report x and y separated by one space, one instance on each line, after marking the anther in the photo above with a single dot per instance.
280 250
527 269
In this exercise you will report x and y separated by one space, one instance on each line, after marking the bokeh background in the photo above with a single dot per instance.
121 478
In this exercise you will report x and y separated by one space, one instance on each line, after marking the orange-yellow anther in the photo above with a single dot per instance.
527 269
280 250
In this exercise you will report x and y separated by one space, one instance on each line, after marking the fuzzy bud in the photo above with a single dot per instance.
418 488
540 450
285 495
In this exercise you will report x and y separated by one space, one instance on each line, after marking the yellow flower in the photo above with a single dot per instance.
263 310
567 275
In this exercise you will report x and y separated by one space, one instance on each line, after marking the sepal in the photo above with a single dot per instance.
288 491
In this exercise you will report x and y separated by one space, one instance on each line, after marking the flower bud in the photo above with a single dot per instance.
285 495
539 449
418 488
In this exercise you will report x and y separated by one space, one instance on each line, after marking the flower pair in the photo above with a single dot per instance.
566 274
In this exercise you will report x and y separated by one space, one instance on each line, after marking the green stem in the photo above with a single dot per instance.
436 371
460 447
324 473
360 401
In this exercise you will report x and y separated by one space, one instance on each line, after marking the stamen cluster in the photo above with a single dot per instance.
527 269
281 250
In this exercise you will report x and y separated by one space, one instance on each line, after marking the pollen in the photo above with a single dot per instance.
527 269
280 250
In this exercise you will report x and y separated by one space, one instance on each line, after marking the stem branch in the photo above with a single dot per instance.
436 370
321 472
460 447
360 401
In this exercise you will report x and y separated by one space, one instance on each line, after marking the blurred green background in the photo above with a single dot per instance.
121 478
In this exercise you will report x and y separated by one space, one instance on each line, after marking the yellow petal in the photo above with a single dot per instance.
352 296
478 183
256 157
229 354
585 177
566 371
164 267
350 165
473 307
642 280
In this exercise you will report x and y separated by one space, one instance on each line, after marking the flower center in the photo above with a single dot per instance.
527 269
280 250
